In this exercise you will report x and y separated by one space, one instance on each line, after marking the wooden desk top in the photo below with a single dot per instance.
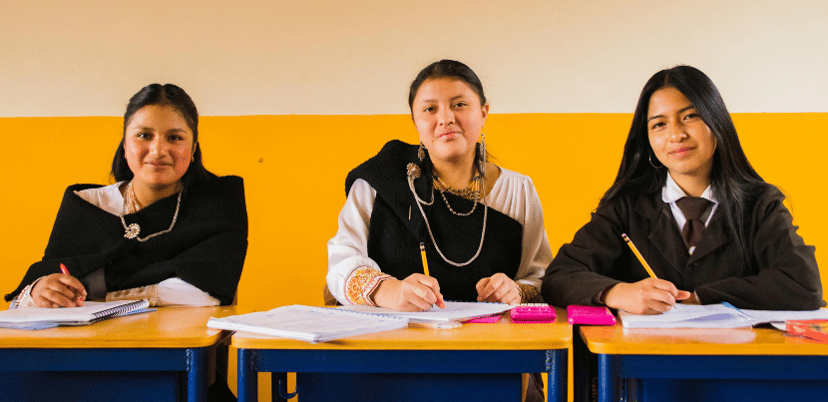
502 335
701 341
167 327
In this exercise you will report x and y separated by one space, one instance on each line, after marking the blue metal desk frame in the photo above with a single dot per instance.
621 377
189 365
253 361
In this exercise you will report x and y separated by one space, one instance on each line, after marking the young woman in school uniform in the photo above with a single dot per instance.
481 225
168 230
706 223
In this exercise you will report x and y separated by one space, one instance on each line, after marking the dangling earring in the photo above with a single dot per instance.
482 157
414 172
650 158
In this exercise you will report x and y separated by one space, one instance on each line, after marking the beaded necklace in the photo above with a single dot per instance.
131 206
472 192
414 173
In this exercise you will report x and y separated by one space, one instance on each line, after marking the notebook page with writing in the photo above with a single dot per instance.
454 311
715 316
689 316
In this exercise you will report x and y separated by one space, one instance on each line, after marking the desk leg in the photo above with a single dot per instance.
583 367
197 375
608 378
556 375
248 376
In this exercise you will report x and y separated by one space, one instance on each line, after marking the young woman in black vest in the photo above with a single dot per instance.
740 245
168 230
481 226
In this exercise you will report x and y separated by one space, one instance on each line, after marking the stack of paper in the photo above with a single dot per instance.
306 323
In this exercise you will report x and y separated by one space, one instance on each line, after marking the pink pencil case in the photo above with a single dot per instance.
590 315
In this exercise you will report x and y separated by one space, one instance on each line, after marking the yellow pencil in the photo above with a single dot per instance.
638 254
425 262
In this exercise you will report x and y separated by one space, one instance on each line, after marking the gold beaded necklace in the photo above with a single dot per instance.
471 192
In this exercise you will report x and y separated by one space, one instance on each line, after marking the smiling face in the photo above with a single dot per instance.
158 146
449 119
679 137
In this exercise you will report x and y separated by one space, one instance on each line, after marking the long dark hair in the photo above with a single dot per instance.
454 70
163 95
732 178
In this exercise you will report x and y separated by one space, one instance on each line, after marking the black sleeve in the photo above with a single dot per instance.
785 274
214 262
591 262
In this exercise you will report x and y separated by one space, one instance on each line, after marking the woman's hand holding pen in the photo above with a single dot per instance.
647 296
417 292
58 290
498 288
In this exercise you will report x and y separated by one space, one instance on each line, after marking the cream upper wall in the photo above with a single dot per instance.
85 58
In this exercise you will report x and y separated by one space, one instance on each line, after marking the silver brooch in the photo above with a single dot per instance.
132 231
413 170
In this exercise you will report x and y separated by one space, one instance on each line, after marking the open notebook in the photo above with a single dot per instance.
42 317
714 316
306 323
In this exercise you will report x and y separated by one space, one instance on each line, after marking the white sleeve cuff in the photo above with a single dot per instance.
348 249
176 292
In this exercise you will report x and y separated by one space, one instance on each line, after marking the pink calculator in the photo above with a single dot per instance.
533 313
590 315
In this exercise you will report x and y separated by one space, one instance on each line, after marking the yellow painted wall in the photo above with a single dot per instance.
294 169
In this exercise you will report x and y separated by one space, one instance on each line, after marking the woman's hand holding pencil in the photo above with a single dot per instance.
647 296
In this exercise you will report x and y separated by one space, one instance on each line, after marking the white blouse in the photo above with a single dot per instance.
513 194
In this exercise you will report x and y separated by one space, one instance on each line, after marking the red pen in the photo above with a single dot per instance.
66 272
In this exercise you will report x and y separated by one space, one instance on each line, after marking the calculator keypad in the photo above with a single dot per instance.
533 313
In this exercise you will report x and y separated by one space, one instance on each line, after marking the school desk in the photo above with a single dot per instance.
164 355
700 364
475 362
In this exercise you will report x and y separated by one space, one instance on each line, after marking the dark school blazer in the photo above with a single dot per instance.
781 273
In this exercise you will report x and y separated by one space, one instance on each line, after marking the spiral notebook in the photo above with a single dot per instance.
90 312
306 323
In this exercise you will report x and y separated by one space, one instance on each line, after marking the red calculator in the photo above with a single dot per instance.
533 313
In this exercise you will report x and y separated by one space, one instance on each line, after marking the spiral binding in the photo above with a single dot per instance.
122 309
